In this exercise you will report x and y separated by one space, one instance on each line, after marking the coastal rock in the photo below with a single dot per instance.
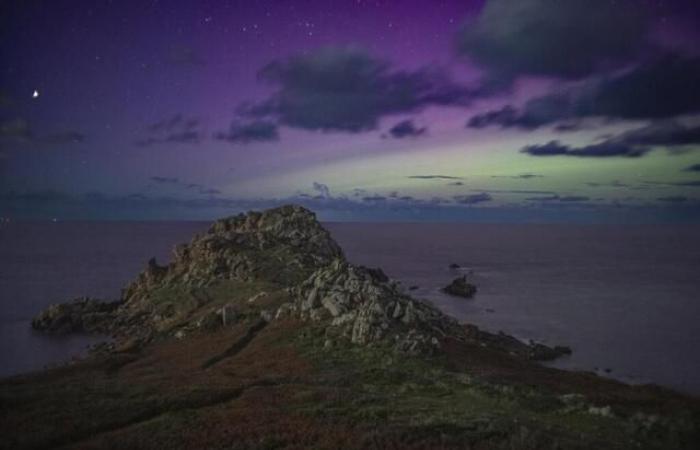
80 315
460 287
284 244
277 264
505 343
362 305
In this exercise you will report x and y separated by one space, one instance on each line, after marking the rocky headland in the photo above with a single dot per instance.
260 334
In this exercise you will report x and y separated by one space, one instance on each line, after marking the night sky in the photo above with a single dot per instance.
497 110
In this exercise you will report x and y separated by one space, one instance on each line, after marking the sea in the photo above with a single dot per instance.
625 298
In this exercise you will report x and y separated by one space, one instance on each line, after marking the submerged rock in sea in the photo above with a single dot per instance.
460 287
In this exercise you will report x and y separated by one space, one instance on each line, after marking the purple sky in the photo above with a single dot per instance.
503 110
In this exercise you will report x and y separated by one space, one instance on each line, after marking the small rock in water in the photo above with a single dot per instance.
412 288
460 287
454 266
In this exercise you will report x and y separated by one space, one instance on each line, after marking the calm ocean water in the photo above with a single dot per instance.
625 298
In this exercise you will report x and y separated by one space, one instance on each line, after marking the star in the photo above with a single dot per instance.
35 94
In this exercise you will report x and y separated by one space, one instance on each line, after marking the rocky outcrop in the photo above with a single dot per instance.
505 343
285 244
81 315
266 265
363 306
460 287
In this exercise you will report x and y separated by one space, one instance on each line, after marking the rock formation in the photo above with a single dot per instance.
290 266
81 315
362 305
460 287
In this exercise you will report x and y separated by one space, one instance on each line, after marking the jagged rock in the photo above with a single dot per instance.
362 305
80 315
460 287
285 244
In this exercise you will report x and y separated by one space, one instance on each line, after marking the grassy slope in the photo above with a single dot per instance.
283 386
287 388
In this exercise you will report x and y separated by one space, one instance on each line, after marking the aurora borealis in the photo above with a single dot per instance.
504 110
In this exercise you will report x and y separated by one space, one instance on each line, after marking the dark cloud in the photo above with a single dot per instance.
667 87
456 183
472 199
536 113
177 129
692 183
663 88
374 198
673 199
522 176
633 143
602 150
165 180
322 189
615 183
515 191
570 39
687 183
505 117
406 128
343 89
693 168
662 133
254 131
560 198
512 191
434 177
